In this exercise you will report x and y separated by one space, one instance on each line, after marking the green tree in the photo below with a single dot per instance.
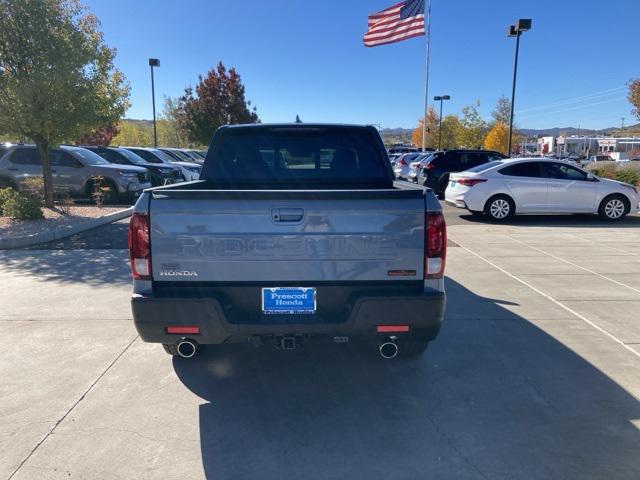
170 127
218 99
57 79
502 112
634 96
472 127
450 129
133 134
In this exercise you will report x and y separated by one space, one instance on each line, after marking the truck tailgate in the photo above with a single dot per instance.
279 236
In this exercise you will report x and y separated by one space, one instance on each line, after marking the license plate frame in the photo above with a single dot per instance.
288 300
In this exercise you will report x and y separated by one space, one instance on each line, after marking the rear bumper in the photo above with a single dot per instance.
423 313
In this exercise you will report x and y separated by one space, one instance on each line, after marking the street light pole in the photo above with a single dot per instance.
440 98
154 62
522 25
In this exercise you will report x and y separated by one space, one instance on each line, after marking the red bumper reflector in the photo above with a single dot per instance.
392 328
183 330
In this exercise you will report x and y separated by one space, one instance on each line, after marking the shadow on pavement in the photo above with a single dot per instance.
493 397
110 236
572 221
93 267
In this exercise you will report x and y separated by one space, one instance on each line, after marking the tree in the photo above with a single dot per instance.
57 79
134 134
218 100
99 136
634 96
497 138
473 127
170 126
450 128
432 130
502 112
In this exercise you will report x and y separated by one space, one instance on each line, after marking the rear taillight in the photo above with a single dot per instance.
428 166
402 162
183 330
435 245
470 182
139 250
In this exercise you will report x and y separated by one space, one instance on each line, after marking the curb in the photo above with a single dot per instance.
57 234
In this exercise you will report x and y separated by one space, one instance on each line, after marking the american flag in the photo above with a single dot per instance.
396 23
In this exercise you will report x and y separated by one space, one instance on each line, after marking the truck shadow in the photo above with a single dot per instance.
494 397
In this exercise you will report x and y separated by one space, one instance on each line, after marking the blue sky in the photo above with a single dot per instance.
306 57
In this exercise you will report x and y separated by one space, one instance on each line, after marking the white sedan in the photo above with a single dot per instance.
504 188
402 165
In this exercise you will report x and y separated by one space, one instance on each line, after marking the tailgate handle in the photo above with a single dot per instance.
289 215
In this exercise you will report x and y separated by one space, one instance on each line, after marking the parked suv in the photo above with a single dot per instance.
190 171
160 174
74 170
436 169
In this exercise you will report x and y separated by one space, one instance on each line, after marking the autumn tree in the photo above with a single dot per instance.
99 136
634 96
218 99
472 127
57 79
497 138
432 130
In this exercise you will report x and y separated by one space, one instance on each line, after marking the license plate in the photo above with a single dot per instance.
452 183
288 300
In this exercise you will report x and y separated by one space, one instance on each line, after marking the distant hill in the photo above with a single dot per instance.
141 122
396 135
400 135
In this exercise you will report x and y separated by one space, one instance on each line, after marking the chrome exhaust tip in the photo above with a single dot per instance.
186 348
388 350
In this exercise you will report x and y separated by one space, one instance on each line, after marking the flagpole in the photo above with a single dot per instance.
426 82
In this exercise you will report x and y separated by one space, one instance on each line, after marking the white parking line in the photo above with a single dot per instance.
560 304
575 265
612 247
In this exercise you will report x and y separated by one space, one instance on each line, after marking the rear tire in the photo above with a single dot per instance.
412 348
6 183
442 187
500 208
111 196
613 208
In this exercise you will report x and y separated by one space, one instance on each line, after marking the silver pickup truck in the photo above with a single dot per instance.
294 232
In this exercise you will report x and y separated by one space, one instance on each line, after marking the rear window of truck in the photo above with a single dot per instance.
286 156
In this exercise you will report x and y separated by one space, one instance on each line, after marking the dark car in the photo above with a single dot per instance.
436 169
399 150
160 174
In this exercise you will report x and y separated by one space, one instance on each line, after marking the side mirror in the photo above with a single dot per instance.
591 177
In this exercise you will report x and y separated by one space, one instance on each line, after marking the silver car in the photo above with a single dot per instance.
75 170
401 167
190 170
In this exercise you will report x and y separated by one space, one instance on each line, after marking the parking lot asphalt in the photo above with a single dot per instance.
535 375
